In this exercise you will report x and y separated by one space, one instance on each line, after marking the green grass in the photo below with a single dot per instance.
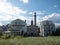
18 40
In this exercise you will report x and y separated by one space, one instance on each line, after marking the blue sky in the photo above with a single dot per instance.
24 9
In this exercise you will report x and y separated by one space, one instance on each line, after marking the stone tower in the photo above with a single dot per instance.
35 18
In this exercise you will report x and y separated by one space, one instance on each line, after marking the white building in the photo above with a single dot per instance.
47 28
17 27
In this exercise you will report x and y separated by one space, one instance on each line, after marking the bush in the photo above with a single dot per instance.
7 36
0 34
4 37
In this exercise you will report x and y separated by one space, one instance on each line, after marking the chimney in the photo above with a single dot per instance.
31 22
25 20
35 18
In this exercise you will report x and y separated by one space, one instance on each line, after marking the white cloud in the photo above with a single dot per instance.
9 12
37 12
25 1
20 17
48 16
5 17
30 12
57 24
7 8
40 12
3 0
1 24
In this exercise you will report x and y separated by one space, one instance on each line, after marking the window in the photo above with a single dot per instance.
15 22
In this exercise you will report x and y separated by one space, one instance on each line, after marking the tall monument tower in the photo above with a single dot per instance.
35 18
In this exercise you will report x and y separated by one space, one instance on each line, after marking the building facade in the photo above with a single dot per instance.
47 28
17 27
32 30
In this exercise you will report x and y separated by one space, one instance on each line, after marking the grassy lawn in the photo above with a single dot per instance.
50 40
